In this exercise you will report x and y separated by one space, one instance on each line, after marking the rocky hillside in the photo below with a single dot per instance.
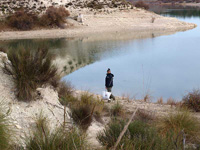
9 6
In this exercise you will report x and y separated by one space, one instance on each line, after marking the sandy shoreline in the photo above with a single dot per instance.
130 21
191 4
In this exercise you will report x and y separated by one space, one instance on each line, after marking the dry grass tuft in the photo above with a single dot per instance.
180 121
145 116
160 100
6 129
171 102
85 109
147 98
66 93
59 138
30 69
117 110
126 97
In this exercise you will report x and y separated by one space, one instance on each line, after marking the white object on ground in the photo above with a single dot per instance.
106 95
80 18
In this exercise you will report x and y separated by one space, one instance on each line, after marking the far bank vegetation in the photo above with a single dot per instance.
141 4
53 17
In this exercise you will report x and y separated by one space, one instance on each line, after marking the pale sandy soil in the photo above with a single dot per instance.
131 21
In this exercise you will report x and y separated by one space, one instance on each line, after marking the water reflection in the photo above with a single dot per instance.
176 11
72 54
165 66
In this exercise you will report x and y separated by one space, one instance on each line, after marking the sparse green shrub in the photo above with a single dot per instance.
141 4
109 135
93 102
139 136
58 139
30 69
54 17
22 20
6 133
144 136
84 110
117 109
178 122
65 93
192 100
82 115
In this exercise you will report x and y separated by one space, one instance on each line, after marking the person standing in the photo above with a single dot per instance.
109 82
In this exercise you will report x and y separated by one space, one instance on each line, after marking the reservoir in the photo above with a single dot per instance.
165 66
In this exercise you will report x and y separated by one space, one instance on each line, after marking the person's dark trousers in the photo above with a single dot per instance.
109 89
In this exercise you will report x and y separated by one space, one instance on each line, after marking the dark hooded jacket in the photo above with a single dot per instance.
109 80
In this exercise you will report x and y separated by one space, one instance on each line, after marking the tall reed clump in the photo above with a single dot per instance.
6 131
54 17
139 135
181 123
192 100
30 69
57 139
86 108
22 20
65 93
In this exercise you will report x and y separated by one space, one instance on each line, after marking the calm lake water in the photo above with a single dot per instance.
164 66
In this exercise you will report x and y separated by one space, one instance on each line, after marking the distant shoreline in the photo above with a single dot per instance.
135 20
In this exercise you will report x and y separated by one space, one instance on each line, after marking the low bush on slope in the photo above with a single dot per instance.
22 20
54 17
26 20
